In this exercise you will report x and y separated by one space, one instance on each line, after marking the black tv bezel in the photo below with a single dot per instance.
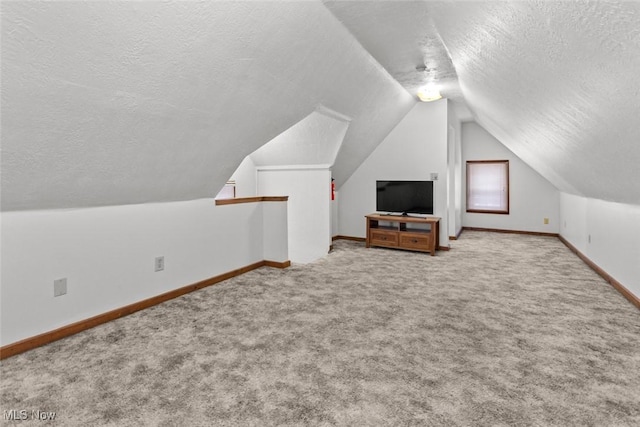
406 213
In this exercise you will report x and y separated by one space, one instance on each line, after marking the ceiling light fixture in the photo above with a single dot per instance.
429 93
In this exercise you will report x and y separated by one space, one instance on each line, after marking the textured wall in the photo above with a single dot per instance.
107 103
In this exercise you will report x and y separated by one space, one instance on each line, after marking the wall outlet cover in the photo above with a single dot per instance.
159 263
59 287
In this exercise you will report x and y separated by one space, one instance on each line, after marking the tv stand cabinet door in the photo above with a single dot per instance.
416 241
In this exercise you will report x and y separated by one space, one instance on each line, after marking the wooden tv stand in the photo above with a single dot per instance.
403 232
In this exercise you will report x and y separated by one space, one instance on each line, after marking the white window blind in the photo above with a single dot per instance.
488 186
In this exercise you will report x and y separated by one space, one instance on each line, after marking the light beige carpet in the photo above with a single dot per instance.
502 330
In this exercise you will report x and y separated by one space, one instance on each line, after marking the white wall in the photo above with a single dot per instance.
245 178
614 231
573 220
107 255
413 150
275 224
532 198
309 212
335 229
454 161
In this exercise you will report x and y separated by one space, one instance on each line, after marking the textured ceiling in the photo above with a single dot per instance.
555 81
109 103
403 38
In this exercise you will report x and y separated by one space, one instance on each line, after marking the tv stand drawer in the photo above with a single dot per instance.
415 241
384 238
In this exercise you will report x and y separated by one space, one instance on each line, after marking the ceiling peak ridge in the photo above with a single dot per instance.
379 66
326 111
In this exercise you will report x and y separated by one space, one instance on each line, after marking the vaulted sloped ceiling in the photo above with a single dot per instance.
108 103
403 38
556 82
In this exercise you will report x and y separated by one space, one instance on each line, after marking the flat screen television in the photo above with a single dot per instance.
404 197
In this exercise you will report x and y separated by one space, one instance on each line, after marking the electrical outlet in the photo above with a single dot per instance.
434 177
59 287
159 265
546 220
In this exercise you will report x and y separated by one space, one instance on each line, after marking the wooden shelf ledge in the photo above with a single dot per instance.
251 200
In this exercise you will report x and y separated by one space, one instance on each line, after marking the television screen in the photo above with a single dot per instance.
404 197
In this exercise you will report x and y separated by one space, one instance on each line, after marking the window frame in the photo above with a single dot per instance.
488 211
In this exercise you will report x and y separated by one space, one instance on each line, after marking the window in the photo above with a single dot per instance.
228 191
488 186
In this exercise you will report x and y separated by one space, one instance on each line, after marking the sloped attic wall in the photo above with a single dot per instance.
111 103
556 82
314 140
